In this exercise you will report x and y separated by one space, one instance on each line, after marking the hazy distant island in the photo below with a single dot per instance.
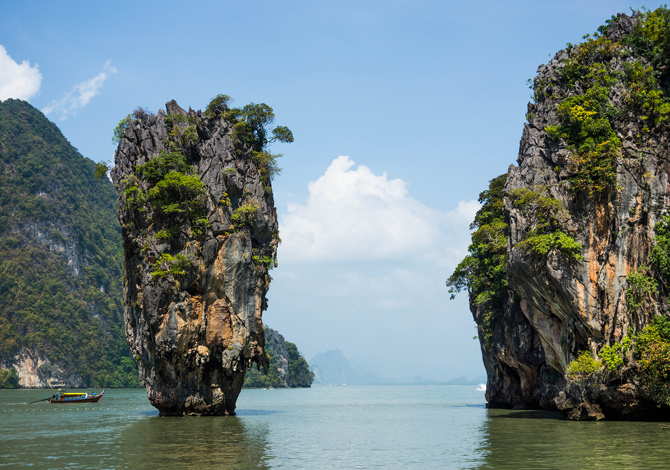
333 368
569 268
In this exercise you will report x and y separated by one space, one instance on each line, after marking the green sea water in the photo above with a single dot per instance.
347 427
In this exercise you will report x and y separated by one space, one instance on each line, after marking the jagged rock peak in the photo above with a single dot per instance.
200 234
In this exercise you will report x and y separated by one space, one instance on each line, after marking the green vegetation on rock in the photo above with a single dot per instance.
548 214
171 194
299 373
255 378
168 265
614 356
584 369
589 79
482 271
652 351
250 131
641 286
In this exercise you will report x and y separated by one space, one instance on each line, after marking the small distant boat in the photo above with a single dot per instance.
75 397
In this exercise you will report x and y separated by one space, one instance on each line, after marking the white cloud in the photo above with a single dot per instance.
355 215
465 212
80 95
20 81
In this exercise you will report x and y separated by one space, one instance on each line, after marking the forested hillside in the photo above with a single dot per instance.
287 368
61 315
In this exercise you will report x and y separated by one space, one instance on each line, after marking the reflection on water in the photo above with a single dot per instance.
416 427
537 439
205 442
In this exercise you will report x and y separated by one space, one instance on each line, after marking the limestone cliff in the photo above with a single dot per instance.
200 234
582 286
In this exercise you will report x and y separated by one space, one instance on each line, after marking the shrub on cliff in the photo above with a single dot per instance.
548 215
174 193
584 370
640 287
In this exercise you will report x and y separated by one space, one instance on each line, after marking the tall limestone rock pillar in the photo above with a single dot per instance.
199 235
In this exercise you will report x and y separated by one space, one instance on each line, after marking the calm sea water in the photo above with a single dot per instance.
416 427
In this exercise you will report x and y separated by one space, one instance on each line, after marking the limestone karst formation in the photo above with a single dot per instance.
200 235
568 273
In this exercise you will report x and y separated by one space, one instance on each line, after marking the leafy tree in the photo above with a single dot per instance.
651 40
584 369
218 106
9 378
101 170
120 129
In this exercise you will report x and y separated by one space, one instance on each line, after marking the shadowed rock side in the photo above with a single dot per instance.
607 195
199 234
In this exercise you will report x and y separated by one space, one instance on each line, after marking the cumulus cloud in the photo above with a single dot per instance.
21 81
355 215
80 95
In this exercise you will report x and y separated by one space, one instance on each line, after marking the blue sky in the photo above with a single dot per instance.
402 111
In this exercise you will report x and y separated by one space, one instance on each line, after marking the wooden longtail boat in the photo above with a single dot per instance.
75 397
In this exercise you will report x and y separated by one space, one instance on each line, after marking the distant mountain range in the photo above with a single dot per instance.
333 368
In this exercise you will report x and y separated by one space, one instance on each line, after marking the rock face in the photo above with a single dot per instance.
35 370
563 303
199 233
